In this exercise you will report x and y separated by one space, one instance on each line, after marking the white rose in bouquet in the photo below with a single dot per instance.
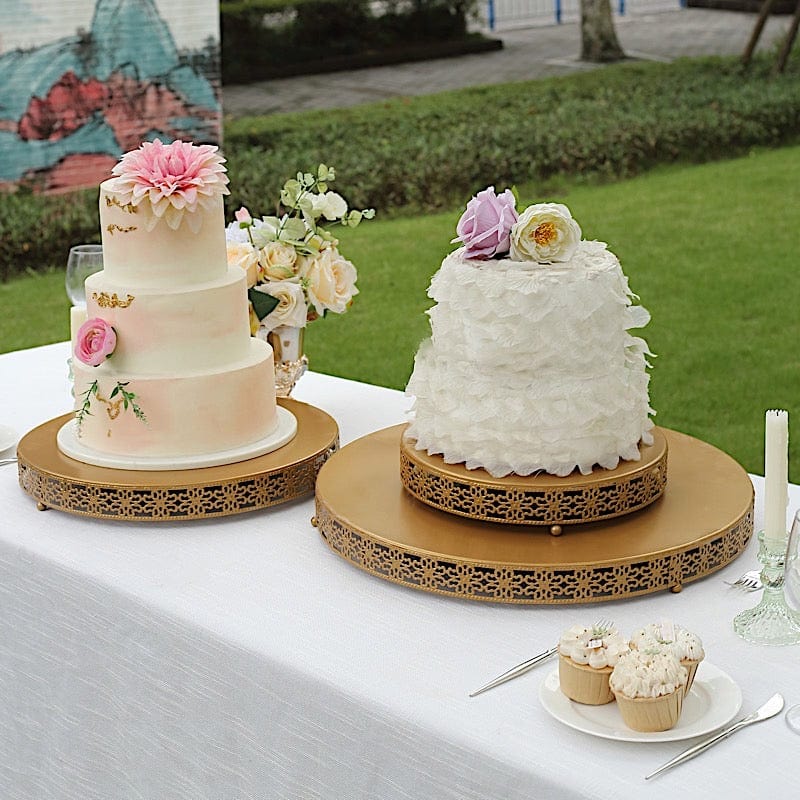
241 254
545 232
330 205
291 309
276 261
330 281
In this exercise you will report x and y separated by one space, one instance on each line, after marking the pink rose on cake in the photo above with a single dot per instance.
545 232
95 342
485 227
170 181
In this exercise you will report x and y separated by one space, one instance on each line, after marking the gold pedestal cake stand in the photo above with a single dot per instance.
703 521
57 481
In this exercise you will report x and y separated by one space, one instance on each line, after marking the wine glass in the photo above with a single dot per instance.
84 260
791 591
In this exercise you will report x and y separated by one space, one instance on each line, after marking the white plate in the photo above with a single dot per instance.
8 438
713 701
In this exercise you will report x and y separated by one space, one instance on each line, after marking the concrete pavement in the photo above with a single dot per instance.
528 53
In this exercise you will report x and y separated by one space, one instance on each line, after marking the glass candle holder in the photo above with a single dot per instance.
772 621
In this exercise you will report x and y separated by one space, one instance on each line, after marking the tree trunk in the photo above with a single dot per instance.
598 38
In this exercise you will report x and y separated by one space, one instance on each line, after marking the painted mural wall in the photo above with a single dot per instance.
83 81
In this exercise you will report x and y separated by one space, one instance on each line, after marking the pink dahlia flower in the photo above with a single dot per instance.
95 342
485 227
173 179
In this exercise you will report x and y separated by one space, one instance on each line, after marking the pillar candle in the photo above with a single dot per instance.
776 474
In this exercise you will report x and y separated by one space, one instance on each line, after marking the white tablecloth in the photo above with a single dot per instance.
239 658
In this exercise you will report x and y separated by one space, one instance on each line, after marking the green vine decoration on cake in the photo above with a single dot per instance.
125 398
128 399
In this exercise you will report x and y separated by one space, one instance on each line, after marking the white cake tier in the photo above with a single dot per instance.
160 257
532 367
193 327
186 413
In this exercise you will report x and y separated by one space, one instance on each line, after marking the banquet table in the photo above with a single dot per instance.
238 658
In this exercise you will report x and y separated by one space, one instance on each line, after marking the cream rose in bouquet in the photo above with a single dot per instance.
296 273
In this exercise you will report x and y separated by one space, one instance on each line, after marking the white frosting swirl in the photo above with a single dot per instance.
647 673
597 648
684 644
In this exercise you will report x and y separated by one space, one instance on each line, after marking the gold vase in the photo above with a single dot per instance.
290 360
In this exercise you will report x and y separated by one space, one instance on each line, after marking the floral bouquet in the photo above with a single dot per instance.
295 272
491 228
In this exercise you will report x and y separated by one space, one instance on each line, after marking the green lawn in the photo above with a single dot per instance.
710 249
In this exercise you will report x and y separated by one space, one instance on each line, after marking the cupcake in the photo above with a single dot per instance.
649 687
685 645
586 657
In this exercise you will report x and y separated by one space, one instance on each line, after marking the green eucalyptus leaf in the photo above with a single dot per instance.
263 303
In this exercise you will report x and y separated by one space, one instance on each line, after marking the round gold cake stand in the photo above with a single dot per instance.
536 499
59 482
703 521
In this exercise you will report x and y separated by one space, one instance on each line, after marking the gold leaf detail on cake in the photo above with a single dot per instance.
104 300
112 408
128 208
112 228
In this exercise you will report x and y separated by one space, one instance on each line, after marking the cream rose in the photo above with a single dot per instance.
276 261
242 255
291 309
545 232
330 281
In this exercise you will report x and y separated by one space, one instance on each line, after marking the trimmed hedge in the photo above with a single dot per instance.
264 39
433 152
430 153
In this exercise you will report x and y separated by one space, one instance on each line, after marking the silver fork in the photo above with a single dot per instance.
599 629
4 461
750 581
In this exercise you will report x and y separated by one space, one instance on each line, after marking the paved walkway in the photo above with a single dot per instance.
527 53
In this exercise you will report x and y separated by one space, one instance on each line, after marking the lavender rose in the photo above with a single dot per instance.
485 227
95 342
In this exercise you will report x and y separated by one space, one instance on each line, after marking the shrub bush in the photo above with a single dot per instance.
432 152
270 38
429 153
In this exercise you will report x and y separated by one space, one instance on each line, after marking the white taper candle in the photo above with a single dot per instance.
776 474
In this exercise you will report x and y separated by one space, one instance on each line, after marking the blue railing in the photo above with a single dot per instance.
547 12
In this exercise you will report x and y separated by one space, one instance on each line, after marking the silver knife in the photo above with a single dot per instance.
515 672
772 707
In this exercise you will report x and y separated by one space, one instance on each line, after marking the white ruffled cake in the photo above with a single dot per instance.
532 366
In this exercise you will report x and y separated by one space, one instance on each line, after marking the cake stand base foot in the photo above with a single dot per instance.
677 588
556 530
42 507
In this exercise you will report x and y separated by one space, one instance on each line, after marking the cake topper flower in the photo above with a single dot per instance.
485 227
545 232
95 342
300 275
171 180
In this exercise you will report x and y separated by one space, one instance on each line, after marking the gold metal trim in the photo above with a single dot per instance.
536 499
59 482
702 522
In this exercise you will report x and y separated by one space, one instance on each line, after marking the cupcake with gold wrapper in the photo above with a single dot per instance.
586 657
683 644
649 686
